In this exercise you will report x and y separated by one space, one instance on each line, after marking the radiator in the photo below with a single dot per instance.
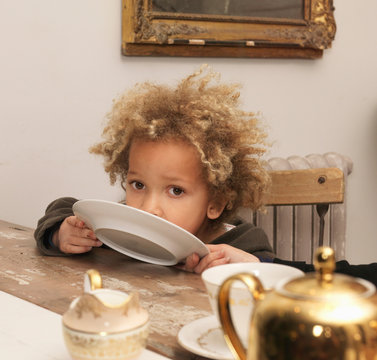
293 231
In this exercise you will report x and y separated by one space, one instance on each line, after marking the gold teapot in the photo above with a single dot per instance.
319 316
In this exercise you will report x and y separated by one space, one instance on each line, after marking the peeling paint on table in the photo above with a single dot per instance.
172 297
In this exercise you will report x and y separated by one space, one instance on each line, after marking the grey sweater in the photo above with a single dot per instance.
246 236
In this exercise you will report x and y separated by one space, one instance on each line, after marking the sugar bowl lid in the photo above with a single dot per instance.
324 285
103 311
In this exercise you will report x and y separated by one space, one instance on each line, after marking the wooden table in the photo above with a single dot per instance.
172 297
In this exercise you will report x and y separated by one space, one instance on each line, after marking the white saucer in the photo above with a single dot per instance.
204 337
138 234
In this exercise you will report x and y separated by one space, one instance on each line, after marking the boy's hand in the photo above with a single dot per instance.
219 254
74 237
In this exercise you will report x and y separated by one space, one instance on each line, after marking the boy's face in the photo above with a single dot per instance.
165 179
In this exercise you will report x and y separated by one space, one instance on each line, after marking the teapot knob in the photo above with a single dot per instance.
324 264
92 280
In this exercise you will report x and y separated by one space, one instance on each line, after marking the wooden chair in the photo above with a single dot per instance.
313 187
296 205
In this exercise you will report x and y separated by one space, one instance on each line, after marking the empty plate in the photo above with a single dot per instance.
138 234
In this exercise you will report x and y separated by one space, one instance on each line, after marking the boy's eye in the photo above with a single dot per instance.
176 191
137 185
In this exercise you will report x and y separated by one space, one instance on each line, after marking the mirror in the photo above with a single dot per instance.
289 9
228 28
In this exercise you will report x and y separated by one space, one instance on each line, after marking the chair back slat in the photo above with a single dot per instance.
306 186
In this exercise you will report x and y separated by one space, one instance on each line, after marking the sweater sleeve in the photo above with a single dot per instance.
55 214
363 271
301 265
249 238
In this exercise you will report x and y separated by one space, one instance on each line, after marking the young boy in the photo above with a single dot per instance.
188 154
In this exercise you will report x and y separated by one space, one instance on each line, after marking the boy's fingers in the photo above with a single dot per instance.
89 234
81 230
192 261
73 249
222 261
76 245
208 260
85 242
75 221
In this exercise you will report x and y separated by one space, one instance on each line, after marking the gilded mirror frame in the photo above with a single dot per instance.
146 32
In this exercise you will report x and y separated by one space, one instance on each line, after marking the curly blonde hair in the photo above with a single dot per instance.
204 113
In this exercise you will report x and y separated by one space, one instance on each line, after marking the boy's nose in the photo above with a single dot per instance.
152 205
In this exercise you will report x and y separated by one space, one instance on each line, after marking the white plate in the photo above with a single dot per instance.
204 337
138 234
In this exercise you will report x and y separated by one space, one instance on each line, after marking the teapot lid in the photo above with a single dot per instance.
323 284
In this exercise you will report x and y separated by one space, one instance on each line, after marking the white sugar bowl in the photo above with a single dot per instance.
104 324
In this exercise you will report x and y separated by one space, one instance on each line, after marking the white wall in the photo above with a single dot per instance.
61 66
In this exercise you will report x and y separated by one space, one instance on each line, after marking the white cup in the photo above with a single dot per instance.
241 302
